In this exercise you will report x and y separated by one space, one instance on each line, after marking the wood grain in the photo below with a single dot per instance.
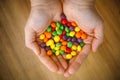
19 63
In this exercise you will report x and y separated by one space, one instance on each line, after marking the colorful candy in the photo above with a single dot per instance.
63 38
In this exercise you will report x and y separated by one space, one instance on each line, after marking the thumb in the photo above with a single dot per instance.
98 37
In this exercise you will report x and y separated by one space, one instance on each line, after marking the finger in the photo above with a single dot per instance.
30 40
63 62
60 68
47 61
98 34
79 59
67 74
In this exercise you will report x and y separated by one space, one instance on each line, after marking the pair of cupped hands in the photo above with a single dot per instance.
83 12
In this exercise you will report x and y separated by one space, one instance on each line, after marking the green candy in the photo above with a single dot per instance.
62 27
59 31
67 29
54 33
82 44
67 34
53 50
58 24
69 44
49 29
62 51
58 44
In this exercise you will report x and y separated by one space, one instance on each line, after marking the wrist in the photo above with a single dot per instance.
80 3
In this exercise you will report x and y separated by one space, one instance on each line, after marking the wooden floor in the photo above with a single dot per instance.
19 63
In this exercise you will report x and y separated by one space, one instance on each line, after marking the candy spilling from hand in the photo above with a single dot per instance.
63 38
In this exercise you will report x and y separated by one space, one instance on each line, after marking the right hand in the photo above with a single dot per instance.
41 15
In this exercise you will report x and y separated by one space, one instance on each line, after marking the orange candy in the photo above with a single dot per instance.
84 36
48 34
64 43
78 34
53 24
49 52
73 24
63 48
45 39
61 40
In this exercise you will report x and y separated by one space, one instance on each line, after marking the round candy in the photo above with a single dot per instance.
58 24
67 29
67 34
48 34
52 46
71 28
64 32
57 53
53 50
45 39
68 50
68 56
58 44
63 16
56 38
56 28
72 33
73 53
61 51
62 27
42 36
69 44
64 37
42 44
54 33
76 43
68 24
79 40
74 47
77 29
78 35
59 31
64 21
49 52
73 24
82 44
84 36
53 24
69 39
56 48
63 48
78 48
64 43
49 29
74 39
47 48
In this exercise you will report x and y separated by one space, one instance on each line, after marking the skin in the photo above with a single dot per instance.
83 12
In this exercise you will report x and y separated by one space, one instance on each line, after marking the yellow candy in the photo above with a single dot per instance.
74 47
68 56
57 53
56 48
79 48
42 36
49 42
52 46
56 28
73 53
56 38
77 29
72 33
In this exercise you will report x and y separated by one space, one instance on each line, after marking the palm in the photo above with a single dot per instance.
38 21
90 22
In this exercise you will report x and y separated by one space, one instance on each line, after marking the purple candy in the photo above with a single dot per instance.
76 43
79 40
63 16
47 48
71 28
74 39
64 37
42 44
69 39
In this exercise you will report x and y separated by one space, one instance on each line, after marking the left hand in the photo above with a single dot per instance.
86 16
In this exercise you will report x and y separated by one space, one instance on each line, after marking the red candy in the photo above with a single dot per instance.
64 21
68 50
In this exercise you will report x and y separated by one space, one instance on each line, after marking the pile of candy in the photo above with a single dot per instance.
63 38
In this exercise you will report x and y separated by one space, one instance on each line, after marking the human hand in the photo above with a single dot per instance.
43 12
85 15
